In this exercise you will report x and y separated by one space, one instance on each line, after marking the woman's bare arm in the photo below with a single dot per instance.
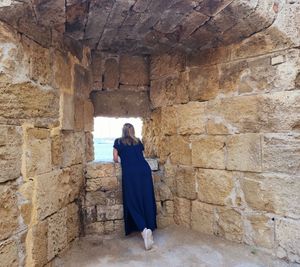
116 155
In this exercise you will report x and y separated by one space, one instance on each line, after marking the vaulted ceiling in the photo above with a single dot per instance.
139 26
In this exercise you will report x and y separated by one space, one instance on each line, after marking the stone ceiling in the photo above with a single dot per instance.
140 26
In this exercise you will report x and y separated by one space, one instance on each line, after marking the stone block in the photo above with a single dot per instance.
229 224
73 148
9 253
79 114
287 233
272 192
103 184
97 70
281 153
261 232
180 151
166 64
9 212
134 70
37 238
82 81
169 120
117 103
93 198
191 118
169 90
217 126
208 151
111 74
203 83
244 152
62 67
164 221
56 147
89 147
73 222
10 152
67 111
202 217
100 170
95 228
57 233
186 182
37 152
35 104
214 186
105 213
182 211
163 192
88 116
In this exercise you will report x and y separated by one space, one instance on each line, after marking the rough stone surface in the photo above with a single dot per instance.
202 217
9 253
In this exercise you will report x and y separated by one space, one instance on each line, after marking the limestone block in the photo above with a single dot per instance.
74 181
229 224
98 170
114 212
40 61
169 90
62 67
202 217
103 183
90 215
261 231
57 233
281 153
73 222
95 228
164 221
114 197
67 111
182 211
134 70
208 151
119 227
37 238
10 152
97 70
203 83
244 152
73 148
37 152
214 186
88 116
9 212
169 176
79 113
287 234
169 120
191 118
56 147
216 125
89 147
82 81
34 104
272 192
93 198
111 74
163 192
186 182
9 253
166 64
153 163
180 151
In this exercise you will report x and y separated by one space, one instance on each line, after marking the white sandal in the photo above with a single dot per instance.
148 238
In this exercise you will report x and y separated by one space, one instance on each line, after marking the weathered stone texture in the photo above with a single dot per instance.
9 253
202 217
182 211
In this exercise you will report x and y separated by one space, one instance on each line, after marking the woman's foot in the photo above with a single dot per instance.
148 238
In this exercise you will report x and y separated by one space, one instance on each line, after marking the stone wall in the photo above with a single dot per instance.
45 140
225 127
103 204
120 85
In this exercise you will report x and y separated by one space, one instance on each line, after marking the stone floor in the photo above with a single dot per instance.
174 247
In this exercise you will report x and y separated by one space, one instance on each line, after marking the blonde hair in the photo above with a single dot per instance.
128 135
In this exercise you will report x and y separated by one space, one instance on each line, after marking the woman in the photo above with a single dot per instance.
138 194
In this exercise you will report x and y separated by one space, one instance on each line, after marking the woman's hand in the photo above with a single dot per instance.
115 155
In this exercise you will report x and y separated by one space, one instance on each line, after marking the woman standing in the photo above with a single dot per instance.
137 185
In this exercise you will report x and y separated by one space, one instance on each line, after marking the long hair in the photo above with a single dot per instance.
128 135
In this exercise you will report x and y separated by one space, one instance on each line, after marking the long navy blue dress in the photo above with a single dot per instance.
137 185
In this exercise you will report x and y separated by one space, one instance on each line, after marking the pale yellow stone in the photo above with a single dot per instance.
208 151
73 221
244 152
214 186
98 170
182 211
229 224
73 148
88 116
180 151
202 217
67 111
9 254
103 183
169 120
37 152
186 182
57 233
